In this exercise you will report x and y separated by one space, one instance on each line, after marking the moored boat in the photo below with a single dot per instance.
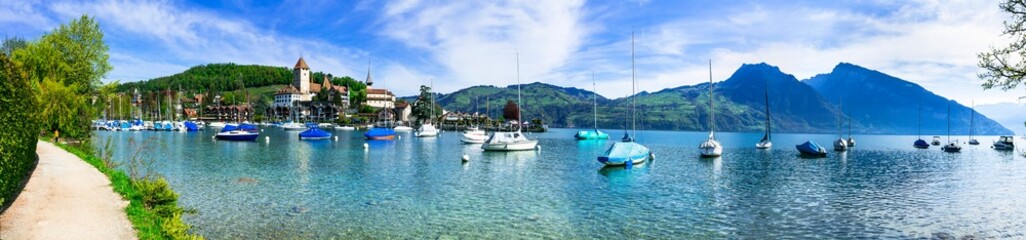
293 126
233 132
711 147
314 134
1004 143
625 153
380 133
810 148
474 135
427 130
509 141
594 133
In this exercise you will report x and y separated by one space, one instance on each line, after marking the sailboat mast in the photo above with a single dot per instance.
594 101
919 133
432 102
972 120
712 108
520 121
634 100
768 119
949 122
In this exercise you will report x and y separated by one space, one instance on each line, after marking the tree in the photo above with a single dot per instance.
66 66
511 111
1004 67
425 106
20 129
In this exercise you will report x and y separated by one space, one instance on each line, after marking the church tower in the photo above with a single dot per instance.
301 76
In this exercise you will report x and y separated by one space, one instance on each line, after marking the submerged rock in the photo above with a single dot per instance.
247 180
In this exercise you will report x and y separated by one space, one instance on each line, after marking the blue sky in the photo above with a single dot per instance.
464 43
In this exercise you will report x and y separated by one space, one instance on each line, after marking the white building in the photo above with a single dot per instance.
378 98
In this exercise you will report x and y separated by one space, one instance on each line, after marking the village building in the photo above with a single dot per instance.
378 97
296 101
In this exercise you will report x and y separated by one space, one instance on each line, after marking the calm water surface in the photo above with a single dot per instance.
418 188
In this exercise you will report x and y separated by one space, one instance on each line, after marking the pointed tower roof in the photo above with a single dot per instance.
301 64
369 80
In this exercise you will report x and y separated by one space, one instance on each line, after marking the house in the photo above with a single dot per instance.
296 101
403 111
378 97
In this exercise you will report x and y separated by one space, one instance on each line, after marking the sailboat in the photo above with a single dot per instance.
972 125
920 143
592 134
711 147
851 141
951 147
840 144
427 129
627 152
511 141
765 143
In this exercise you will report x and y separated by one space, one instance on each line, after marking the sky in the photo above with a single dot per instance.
407 43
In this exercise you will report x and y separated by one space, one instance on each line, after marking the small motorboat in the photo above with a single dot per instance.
974 142
936 141
402 129
380 133
921 144
811 149
625 153
345 128
851 142
509 141
1004 143
293 126
314 134
243 132
427 130
325 125
952 147
474 136
217 125
190 126
591 135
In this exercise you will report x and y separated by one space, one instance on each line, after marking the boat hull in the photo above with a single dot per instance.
921 144
380 134
625 153
764 145
591 135
811 149
230 136
517 146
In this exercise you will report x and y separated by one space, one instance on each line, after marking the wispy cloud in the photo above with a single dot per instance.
475 42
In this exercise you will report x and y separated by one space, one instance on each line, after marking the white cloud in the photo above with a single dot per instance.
475 42
170 37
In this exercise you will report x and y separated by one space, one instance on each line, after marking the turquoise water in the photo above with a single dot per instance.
418 188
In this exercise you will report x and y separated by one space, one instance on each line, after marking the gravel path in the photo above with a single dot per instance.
66 198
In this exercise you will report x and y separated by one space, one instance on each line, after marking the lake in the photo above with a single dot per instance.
418 188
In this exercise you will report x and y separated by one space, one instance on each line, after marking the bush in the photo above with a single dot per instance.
18 141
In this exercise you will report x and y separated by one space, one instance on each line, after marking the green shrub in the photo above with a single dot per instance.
18 139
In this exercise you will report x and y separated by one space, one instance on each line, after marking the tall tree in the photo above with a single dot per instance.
1005 67
66 66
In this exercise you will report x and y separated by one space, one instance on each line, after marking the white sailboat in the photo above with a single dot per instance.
766 143
710 147
972 125
511 141
840 144
428 129
951 147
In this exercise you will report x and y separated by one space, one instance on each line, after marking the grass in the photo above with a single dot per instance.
152 207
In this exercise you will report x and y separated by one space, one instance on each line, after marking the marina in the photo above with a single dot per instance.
418 187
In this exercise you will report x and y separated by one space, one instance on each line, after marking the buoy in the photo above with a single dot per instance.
267 139
537 147
400 136
336 138
466 158
365 146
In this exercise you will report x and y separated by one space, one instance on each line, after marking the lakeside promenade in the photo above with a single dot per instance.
66 198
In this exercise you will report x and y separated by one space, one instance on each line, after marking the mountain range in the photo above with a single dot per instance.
870 101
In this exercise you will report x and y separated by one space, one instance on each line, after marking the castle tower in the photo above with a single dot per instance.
369 81
301 76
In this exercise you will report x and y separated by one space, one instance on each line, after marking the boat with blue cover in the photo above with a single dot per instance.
380 133
191 126
626 152
595 133
244 132
811 148
314 133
